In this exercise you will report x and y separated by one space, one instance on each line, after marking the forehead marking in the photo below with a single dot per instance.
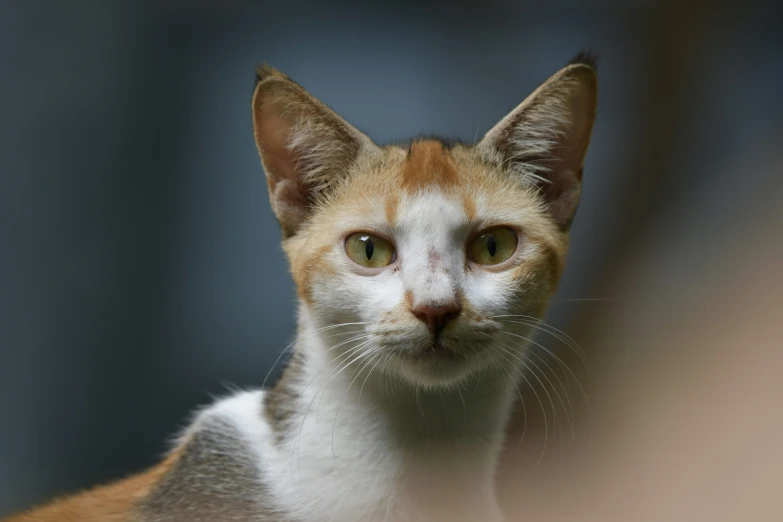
428 164
469 205
390 206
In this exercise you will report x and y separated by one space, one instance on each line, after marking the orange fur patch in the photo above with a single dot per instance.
409 298
303 272
113 503
469 205
428 164
390 206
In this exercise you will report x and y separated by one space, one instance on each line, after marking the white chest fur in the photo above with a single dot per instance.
369 451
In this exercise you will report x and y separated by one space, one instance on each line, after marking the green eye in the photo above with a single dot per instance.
369 250
493 246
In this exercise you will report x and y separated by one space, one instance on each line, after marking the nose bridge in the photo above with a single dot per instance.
431 267
433 295
436 288
432 280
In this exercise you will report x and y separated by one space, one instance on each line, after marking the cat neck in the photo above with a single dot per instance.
340 426
474 409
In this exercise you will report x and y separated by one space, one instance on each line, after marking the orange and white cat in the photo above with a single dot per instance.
410 262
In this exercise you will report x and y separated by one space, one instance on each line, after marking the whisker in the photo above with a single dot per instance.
534 373
584 299
334 373
348 352
524 410
341 366
263 384
551 330
557 394
351 352
543 410
292 343
386 376
565 366
373 354
570 412
464 408
418 404
365 380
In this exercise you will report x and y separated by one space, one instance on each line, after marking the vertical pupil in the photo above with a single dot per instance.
492 247
369 248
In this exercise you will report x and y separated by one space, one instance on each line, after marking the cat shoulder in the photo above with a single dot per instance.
236 416
218 471
214 472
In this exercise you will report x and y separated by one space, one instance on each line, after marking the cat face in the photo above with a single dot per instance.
426 250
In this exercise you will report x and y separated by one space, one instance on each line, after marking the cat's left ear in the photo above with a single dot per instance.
544 140
305 147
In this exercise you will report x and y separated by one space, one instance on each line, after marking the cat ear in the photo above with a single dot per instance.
305 148
544 140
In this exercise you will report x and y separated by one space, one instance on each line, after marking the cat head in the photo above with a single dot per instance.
428 250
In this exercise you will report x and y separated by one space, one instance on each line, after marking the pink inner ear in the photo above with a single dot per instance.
564 189
304 147
272 134
547 136
578 136
288 194
562 194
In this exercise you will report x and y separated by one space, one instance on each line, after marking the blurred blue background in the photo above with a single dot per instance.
140 266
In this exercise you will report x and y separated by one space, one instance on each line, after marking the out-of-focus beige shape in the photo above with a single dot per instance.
688 399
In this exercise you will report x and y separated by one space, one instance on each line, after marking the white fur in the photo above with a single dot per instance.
375 438
346 462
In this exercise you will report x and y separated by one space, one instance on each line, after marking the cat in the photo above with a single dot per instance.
421 270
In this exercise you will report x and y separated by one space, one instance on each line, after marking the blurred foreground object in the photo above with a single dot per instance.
687 400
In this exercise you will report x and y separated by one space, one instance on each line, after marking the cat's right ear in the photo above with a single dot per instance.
543 141
305 148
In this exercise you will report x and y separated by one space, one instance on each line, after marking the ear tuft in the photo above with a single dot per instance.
585 57
265 71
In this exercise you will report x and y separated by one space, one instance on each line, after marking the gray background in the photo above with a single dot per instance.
140 267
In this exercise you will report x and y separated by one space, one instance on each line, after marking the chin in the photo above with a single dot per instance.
436 368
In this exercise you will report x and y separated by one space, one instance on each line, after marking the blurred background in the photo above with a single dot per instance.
140 266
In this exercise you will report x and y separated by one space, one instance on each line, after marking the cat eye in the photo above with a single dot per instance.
493 246
369 250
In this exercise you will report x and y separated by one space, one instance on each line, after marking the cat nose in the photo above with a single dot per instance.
436 317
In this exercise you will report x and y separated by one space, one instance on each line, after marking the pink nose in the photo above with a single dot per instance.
436 317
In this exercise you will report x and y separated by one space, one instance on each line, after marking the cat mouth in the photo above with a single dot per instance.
437 350
437 361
